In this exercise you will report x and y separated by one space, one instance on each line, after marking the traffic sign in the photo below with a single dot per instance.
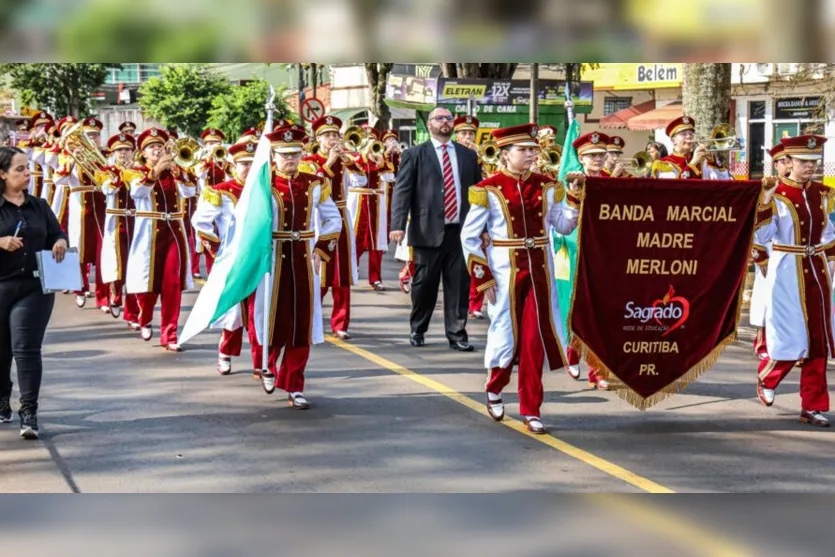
311 109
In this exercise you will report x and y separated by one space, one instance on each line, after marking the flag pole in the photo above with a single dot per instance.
267 282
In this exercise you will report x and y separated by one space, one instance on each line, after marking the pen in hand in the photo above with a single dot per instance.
17 230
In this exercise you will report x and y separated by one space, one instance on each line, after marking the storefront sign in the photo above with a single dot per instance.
796 108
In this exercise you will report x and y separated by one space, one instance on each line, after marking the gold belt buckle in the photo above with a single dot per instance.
296 235
810 251
530 243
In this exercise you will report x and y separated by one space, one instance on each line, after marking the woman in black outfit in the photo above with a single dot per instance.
27 226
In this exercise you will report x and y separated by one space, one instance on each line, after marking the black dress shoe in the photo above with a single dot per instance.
462 346
416 340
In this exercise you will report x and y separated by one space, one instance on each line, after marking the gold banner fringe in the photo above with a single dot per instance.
636 400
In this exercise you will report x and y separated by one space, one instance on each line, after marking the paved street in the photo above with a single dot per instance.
120 415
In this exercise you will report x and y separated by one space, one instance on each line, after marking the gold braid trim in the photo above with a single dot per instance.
325 191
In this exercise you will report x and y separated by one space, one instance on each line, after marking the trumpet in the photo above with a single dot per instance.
353 139
84 152
372 147
488 152
218 153
312 148
722 138
184 151
638 165
549 158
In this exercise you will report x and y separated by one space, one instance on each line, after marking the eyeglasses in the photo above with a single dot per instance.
441 118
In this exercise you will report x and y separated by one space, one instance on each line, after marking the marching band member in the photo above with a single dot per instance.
798 316
465 129
515 272
715 167
592 150
685 162
367 207
158 262
86 218
392 157
51 150
118 229
210 172
301 203
22 127
127 128
61 195
782 167
213 222
343 173
614 149
36 146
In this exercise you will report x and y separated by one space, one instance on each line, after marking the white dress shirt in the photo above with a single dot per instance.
453 160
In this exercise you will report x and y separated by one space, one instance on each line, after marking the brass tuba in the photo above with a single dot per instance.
84 152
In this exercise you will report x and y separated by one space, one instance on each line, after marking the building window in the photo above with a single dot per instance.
613 104
132 73
756 110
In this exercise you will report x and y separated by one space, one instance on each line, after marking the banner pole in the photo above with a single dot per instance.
268 290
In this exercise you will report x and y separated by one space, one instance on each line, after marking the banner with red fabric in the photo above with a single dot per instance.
660 273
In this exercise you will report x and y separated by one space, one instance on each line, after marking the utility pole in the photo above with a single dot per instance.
301 93
534 111
314 78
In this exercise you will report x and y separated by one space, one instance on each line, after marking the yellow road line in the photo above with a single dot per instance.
566 448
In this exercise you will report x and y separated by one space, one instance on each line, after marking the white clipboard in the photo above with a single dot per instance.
57 277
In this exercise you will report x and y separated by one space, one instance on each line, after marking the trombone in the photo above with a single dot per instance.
722 138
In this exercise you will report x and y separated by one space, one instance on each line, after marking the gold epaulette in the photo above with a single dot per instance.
212 196
324 191
662 166
131 174
478 196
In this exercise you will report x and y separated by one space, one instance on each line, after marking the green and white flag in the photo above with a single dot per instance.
246 257
565 247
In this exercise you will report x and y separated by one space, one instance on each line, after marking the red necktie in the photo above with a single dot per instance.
450 199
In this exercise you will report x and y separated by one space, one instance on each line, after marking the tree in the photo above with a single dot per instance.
377 76
488 71
63 89
706 93
182 96
242 108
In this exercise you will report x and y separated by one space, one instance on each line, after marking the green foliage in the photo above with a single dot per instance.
182 96
242 108
61 88
115 30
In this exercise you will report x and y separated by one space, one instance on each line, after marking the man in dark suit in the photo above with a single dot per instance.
432 186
